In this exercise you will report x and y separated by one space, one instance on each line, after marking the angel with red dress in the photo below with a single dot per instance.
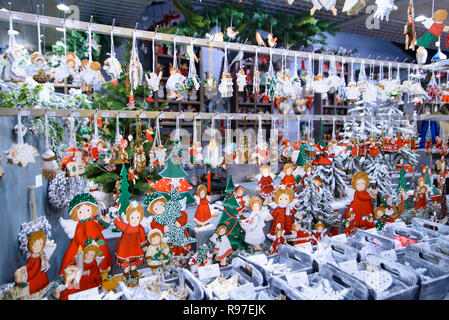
289 180
279 239
133 241
265 186
361 205
319 232
203 213
239 194
283 213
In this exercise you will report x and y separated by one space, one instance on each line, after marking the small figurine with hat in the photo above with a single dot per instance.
83 209
319 232
133 241
222 246
155 203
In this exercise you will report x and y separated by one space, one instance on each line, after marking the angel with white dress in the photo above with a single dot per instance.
153 81
255 223
175 84
320 85
16 60
352 92
161 153
241 80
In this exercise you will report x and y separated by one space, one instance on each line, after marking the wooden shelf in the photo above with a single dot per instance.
179 101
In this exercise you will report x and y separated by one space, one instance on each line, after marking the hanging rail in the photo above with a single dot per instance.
83 113
29 18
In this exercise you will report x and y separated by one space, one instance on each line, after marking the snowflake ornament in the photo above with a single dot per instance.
21 154
384 8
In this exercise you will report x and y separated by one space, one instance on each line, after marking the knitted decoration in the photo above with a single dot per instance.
28 228
62 189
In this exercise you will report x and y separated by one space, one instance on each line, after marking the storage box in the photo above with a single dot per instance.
366 242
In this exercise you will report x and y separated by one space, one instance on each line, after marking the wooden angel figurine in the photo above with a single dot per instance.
175 84
83 210
289 180
369 222
279 239
308 169
361 205
284 212
158 252
409 28
241 80
222 246
253 226
319 232
203 213
326 4
32 278
239 194
436 27
91 273
133 241
72 277
266 184
420 195
300 234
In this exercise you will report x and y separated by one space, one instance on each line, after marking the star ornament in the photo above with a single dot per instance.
384 8
21 154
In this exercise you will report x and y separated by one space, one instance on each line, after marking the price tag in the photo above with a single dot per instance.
349 266
38 181
243 292
122 115
306 246
259 258
143 115
105 114
297 279
75 114
17 16
209 271
117 31
94 27
25 113
340 238
139 34
51 114
389 254
157 37
90 294
45 21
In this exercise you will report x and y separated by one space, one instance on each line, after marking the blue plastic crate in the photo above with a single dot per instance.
340 252
366 242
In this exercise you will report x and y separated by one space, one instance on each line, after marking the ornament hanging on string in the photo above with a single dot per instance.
111 65
62 189
135 71
432 88
226 87
230 149
308 92
118 154
326 4
333 80
21 153
352 92
271 80
196 151
140 161
176 150
230 32
211 85
296 81
73 163
38 69
153 81
256 76
49 166
158 151
193 81
261 155
212 152
175 82
409 28
320 85
341 95
16 58
68 64
384 8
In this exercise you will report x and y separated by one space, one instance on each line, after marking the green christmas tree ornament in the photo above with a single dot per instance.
124 196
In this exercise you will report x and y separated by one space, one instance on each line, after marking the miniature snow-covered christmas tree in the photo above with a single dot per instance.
230 217
378 173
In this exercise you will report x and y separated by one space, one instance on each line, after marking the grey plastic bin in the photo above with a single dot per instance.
405 280
185 279
431 230
434 285
362 238
295 259
340 252
247 273
338 280
392 230
441 246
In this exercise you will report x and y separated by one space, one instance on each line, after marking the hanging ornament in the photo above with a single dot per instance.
353 7
271 40
159 152
140 161
230 32
62 189
68 63
369 95
211 86
226 85
193 81
196 151
296 81
432 88
326 4
259 40
256 76
333 81
384 8
320 85
261 155
212 157
341 95
352 92
49 166
135 72
111 65
175 83
73 163
241 79
21 153
230 149
409 28
118 154
274 152
308 78
272 81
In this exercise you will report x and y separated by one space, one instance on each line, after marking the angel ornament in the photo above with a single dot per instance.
38 69
226 85
66 67
135 67
241 80
111 65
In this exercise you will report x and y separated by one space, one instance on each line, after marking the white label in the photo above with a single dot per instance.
138 34
259 258
25 113
75 114
244 292
51 114
306 246
297 279
349 266
117 31
17 16
105 114
38 181
122 115
340 238
389 254
157 37
162 116
209 271
90 294
45 21
143 115
94 27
